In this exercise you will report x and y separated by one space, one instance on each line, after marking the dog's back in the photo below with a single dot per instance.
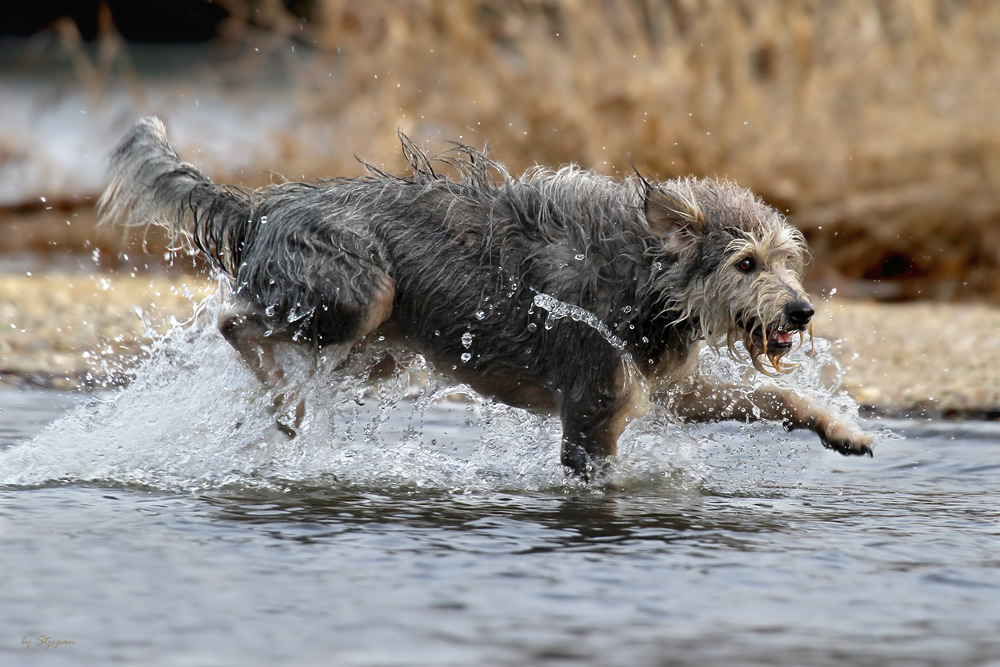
469 252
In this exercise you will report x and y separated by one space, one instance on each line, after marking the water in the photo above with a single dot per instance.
171 524
557 310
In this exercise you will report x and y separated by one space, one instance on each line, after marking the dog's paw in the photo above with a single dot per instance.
288 419
286 428
847 439
581 464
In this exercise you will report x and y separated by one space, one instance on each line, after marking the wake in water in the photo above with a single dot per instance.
195 419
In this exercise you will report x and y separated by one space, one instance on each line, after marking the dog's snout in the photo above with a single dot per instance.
799 312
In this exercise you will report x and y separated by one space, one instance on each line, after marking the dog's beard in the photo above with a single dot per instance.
770 343
764 345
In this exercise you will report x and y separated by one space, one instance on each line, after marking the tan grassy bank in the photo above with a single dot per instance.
84 330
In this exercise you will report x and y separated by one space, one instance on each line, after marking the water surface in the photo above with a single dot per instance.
171 524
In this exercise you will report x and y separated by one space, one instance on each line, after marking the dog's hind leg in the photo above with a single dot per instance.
247 332
251 336
332 316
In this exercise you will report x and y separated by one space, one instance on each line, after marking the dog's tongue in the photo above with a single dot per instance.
782 337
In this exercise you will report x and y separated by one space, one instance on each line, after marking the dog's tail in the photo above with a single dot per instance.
150 184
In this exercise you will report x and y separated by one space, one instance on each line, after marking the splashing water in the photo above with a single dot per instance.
194 418
557 310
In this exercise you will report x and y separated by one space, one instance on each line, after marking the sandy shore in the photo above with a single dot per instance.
73 330
77 330
917 357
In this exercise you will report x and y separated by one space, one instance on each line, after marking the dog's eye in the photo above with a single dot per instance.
746 265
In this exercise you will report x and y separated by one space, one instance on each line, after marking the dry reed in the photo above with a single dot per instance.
875 124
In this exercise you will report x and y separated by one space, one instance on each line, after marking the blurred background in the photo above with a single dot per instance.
875 125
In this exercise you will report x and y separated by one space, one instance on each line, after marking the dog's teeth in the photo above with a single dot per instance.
782 337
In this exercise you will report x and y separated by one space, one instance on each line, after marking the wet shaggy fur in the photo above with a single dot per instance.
557 290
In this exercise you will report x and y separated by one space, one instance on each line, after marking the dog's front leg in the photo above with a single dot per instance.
709 402
593 418
587 444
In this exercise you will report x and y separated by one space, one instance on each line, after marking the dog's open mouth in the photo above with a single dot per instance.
778 340
772 341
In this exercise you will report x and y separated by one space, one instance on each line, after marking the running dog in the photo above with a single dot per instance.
557 290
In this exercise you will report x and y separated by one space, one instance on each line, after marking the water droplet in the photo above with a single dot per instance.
580 257
270 310
480 315
437 332
295 314
532 327
627 309
466 356
263 219
466 340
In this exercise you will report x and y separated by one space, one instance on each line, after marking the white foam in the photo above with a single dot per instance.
194 418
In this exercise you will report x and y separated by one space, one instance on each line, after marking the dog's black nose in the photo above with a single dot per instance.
799 312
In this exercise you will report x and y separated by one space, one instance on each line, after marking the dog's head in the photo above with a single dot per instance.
736 266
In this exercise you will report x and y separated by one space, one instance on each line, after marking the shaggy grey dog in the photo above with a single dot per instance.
558 291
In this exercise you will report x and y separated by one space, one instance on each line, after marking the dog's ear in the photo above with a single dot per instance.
673 213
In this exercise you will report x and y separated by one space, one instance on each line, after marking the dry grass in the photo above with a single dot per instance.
877 125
